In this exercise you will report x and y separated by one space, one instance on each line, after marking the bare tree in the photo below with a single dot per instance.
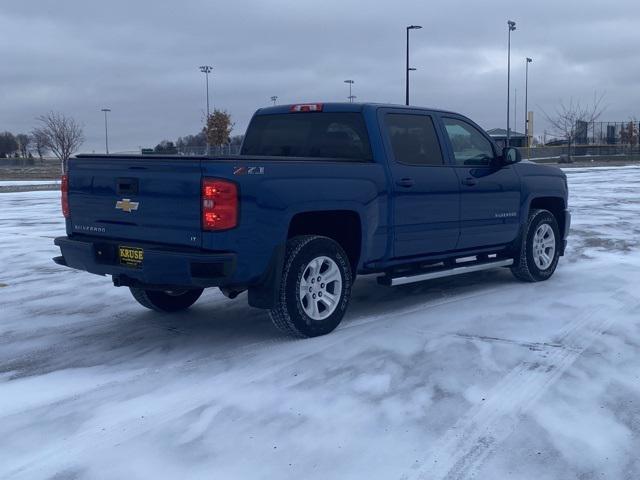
23 144
62 135
237 140
166 147
39 142
219 127
8 144
569 118
191 143
629 133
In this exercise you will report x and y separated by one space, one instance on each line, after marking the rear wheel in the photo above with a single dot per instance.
315 287
166 300
539 251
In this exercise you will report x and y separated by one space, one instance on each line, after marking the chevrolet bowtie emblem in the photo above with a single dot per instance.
126 205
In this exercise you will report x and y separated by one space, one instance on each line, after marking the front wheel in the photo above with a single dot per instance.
166 300
315 287
539 250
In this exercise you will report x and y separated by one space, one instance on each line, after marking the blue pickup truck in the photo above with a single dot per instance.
319 194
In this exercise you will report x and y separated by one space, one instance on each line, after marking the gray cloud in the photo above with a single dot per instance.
140 59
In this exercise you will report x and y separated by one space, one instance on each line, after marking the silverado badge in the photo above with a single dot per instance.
126 205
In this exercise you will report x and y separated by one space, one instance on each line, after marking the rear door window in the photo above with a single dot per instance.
413 139
340 136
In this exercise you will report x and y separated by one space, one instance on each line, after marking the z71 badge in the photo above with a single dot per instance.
248 170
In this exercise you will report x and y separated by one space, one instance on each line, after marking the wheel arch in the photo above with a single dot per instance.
556 205
343 226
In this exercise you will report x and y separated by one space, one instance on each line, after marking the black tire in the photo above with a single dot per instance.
524 267
166 301
289 314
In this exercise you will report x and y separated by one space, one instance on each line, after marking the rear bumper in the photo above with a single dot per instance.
161 267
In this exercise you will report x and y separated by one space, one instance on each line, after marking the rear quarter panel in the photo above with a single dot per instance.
272 192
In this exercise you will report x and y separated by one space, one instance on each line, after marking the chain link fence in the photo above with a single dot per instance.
608 133
593 139
550 152
195 151
213 150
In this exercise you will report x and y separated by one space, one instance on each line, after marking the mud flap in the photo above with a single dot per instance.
265 293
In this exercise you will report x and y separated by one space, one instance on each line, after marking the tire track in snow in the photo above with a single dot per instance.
462 450
249 350
155 414
244 356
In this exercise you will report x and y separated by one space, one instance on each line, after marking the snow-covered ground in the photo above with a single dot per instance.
21 183
478 376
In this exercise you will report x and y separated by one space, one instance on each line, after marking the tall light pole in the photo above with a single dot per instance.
526 99
274 99
206 69
351 96
515 108
406 96
106 130
512 26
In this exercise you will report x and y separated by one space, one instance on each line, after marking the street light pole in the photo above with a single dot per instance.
206 69
515 108
106 130
350 97
512 26
406 93
274 99
526 99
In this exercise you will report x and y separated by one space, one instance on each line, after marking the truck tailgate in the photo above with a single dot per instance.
146 199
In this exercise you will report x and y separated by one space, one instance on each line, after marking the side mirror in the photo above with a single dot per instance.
510 155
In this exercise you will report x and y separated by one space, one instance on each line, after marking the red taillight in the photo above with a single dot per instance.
306 107
64 198
219 204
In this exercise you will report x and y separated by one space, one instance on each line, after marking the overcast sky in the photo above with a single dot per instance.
140 58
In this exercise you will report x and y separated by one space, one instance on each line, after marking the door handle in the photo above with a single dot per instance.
406 182
469 181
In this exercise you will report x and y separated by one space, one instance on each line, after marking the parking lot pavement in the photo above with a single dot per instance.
477 376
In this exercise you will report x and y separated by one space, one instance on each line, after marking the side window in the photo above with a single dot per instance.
413 139
470 147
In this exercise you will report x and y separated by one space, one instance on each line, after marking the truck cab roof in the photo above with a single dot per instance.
343 107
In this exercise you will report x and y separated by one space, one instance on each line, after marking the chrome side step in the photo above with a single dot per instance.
439 272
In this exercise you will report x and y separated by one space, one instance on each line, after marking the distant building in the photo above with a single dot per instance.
499 136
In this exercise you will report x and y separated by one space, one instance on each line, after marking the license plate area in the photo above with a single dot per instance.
130 256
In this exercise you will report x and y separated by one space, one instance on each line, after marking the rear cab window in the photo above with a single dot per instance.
336 136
